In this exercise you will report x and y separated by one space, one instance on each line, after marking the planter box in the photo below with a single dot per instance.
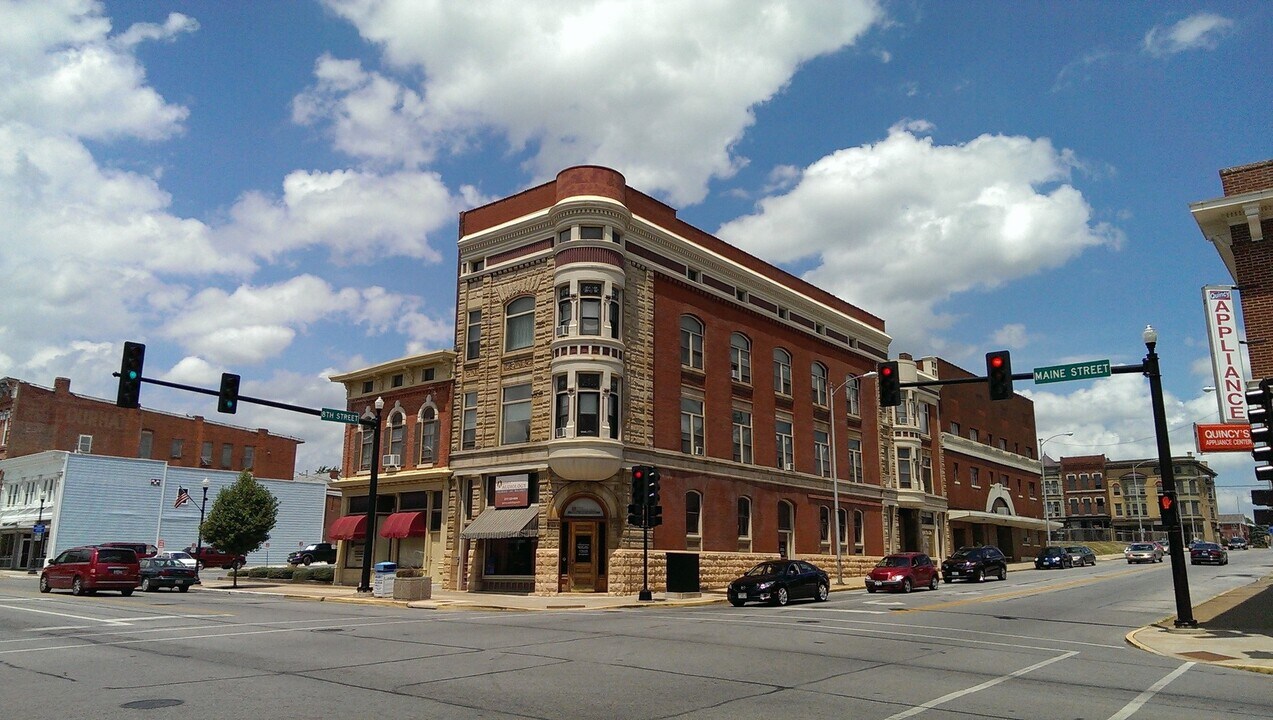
413 588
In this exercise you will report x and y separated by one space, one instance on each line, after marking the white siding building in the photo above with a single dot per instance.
88 499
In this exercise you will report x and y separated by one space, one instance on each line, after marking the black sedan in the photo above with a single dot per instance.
166 572
779 581
1081 555
1208 553
1053 557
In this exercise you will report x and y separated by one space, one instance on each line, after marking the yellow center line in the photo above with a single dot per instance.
1024 592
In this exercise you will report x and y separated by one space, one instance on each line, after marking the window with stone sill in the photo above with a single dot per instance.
515 414
519 324
739 358
742 436
692 424
691 342
782 372
819 376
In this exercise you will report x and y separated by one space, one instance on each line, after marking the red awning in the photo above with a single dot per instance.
349 527
404 524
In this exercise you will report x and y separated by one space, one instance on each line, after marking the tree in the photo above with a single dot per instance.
241 517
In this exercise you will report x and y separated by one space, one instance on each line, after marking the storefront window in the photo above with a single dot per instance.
510 556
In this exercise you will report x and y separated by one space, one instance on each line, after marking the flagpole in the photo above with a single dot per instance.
163 500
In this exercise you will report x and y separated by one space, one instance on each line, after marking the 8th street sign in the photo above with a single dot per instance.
1074 371
344 416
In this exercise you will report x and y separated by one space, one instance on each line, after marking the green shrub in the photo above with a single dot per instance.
409 573
256 572
313 574
280 573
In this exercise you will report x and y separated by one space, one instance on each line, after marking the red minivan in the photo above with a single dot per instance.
85 570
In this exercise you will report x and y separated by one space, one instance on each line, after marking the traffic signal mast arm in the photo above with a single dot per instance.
242 398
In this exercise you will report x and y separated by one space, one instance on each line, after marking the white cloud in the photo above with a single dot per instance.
358 216
660 90
60 71
1011 337
252 324
1201 31
902 225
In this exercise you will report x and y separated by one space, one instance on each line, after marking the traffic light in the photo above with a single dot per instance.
1260 413
636 515
640 484
1167 508
999 374
652 488
890 384
130 375
228 398
656 516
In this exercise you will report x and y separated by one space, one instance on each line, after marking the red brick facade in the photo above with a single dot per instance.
1247 178
34 419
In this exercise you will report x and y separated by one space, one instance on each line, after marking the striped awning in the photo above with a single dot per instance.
404 524
349 527
495 523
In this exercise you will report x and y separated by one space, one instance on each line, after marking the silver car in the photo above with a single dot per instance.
1143 552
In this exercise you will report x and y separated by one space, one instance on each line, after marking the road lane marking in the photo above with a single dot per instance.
978 688
127 621
1153 690
1019 593
66 615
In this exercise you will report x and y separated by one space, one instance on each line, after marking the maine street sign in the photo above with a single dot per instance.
1074 371
344 416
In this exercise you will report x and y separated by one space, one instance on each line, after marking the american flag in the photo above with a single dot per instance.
183 497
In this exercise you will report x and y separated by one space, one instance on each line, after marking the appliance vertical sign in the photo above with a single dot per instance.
1226 352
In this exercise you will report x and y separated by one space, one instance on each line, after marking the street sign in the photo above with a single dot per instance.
1073 371
37 529
335 415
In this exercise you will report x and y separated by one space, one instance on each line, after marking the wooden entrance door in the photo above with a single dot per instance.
582 557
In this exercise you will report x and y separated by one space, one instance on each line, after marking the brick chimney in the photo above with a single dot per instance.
62 386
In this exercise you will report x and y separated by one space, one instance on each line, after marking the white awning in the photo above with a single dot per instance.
985 518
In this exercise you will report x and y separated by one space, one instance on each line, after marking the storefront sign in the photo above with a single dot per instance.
512 491
1223 438
584 508
1226 352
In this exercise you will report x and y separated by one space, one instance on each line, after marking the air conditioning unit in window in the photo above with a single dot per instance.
391 462
735 374
562 331
788 466
559 432
698 449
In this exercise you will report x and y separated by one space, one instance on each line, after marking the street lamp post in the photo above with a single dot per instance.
198 544
1170 511
835 481
1043 476
369 539
39 554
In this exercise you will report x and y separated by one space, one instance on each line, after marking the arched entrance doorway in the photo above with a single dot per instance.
583 546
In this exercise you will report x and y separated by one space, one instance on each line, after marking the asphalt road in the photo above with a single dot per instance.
1043 644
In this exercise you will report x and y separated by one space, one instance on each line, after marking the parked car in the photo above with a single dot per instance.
1081 554
90 568
778 581
1208 553
1053 557
975 564
1237 543
1150 552
143 550
180 556
903 571
157 572
208 556
325 552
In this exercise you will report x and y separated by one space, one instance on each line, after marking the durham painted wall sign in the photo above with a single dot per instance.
1226 352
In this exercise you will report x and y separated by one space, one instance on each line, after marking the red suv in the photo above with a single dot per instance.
208 556
85 570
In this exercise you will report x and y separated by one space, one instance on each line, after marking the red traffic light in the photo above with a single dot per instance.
886 370
638 473
996 361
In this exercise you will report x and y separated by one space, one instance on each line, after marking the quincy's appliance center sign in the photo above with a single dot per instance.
1226 352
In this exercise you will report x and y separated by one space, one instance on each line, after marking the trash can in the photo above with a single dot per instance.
382 586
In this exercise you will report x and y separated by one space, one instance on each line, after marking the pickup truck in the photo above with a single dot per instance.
208 556
325 552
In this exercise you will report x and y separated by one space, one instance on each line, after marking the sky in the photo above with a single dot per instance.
272 189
